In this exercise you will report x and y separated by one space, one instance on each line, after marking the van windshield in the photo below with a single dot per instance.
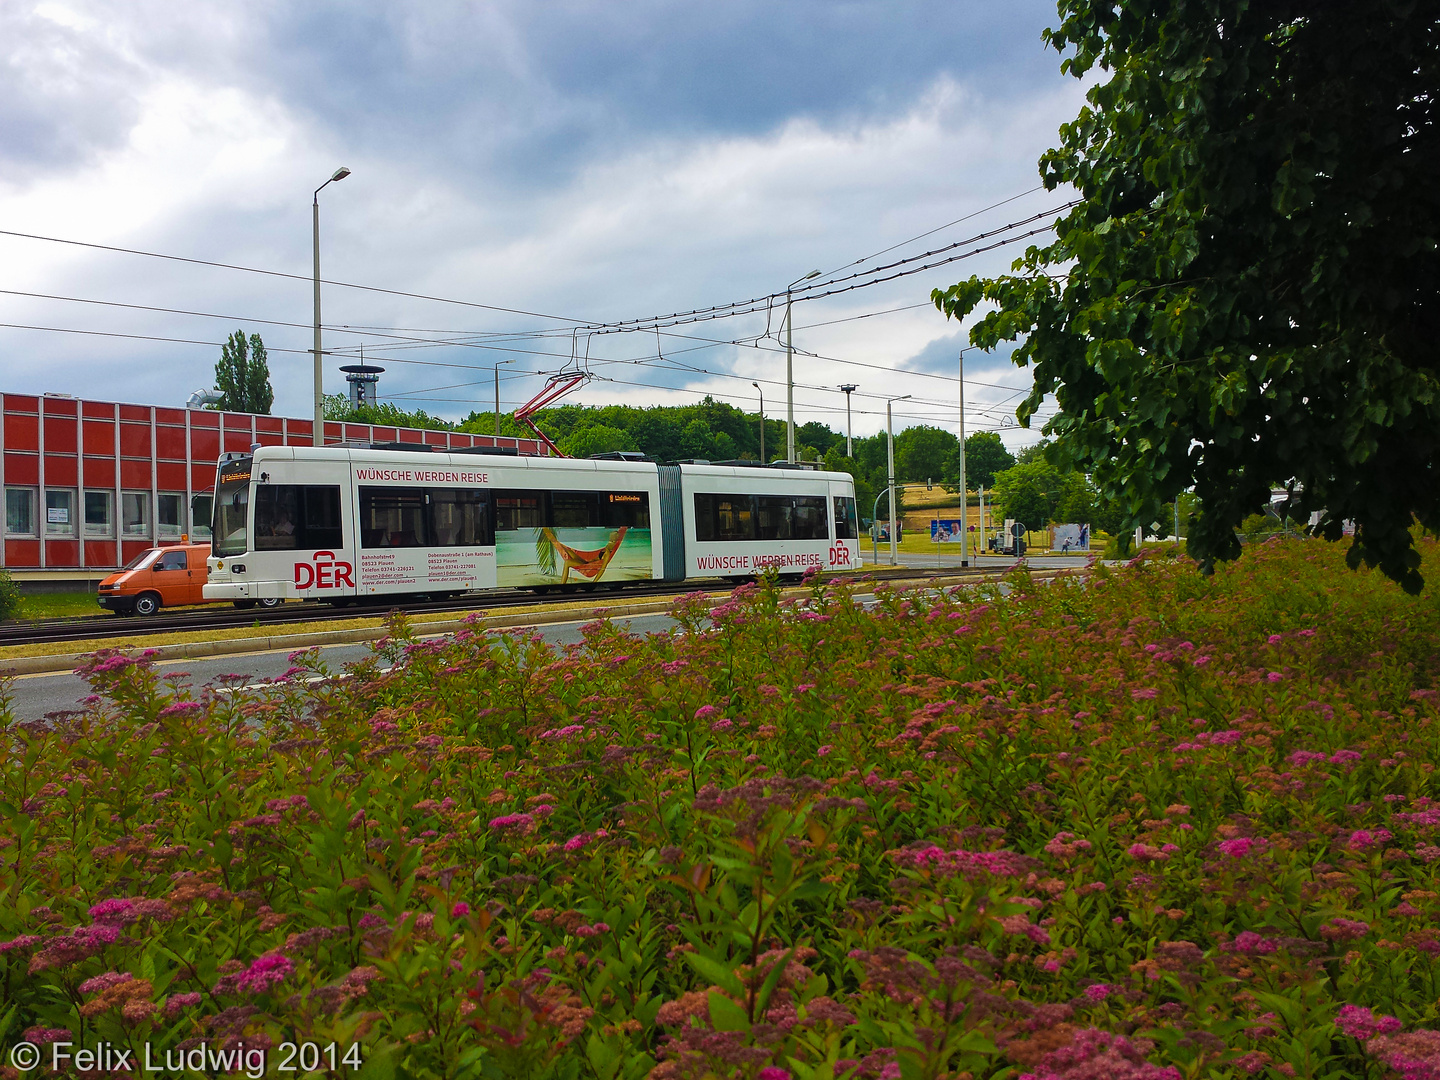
144 559
232 508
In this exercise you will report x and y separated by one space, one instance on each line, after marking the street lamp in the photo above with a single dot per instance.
890 475
790 369
497 398
849 389
756 385
319 440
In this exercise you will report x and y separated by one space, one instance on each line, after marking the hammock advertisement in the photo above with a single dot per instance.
558 556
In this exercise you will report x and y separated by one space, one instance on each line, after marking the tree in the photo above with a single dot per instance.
1031 493
597 439
243 377
1247 293
384 413
923 452
985 455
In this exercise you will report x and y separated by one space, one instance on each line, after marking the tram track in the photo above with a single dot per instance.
203 620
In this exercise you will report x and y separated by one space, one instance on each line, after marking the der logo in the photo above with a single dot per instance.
326 572
839 554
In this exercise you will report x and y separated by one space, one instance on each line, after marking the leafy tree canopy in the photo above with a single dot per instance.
338 407
242 376
985 456
1248 291
929 453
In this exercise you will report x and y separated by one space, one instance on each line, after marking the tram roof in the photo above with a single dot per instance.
506 461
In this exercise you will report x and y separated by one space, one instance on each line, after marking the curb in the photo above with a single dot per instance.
58 663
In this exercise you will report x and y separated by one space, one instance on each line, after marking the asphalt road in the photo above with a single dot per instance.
37 695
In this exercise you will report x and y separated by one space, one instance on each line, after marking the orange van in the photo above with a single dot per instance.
170 576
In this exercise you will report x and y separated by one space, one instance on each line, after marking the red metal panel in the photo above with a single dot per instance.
130 548
61 470
385 434
25 403
100 553
273 425
60 434
22 432
462 439
238 421
62 554
22 554
97 410
135 412
269 438
434 438
99 436
410 435
169 443
135 439
22 468
99 472
300 432
61 406
204 418
357 432
236 441
204 444
170 416
170 475
332 432
135 475
202 477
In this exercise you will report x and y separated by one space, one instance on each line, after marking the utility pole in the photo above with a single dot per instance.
964 494
849 389
890 476
756 385
497 397
790 369
319 433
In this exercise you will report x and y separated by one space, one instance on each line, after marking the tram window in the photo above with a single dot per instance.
630 509
515 510
460 518
721 518
573 509
393 517
297 517
810 521
845 525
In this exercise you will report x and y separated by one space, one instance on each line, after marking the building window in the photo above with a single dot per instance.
202 513
171 520
99 513
135 513
19 512
59 512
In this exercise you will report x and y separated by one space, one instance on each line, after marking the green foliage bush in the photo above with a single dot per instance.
1140 823
9 595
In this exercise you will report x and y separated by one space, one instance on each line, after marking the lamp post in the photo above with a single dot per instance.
849 389
319 440
790 369
497 397
964 491
890 475
756 385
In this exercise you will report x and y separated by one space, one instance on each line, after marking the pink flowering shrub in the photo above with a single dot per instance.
1088 837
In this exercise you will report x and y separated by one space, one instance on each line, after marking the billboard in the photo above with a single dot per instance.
945 532
1070 538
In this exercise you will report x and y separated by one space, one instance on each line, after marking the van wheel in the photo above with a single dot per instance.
244 603
271 602
147 604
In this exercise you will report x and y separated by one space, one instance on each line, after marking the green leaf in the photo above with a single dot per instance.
716 972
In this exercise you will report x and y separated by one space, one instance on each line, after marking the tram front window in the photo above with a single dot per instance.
232 508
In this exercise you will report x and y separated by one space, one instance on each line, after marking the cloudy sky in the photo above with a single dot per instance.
532 174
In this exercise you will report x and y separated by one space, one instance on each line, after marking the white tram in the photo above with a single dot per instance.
339 523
